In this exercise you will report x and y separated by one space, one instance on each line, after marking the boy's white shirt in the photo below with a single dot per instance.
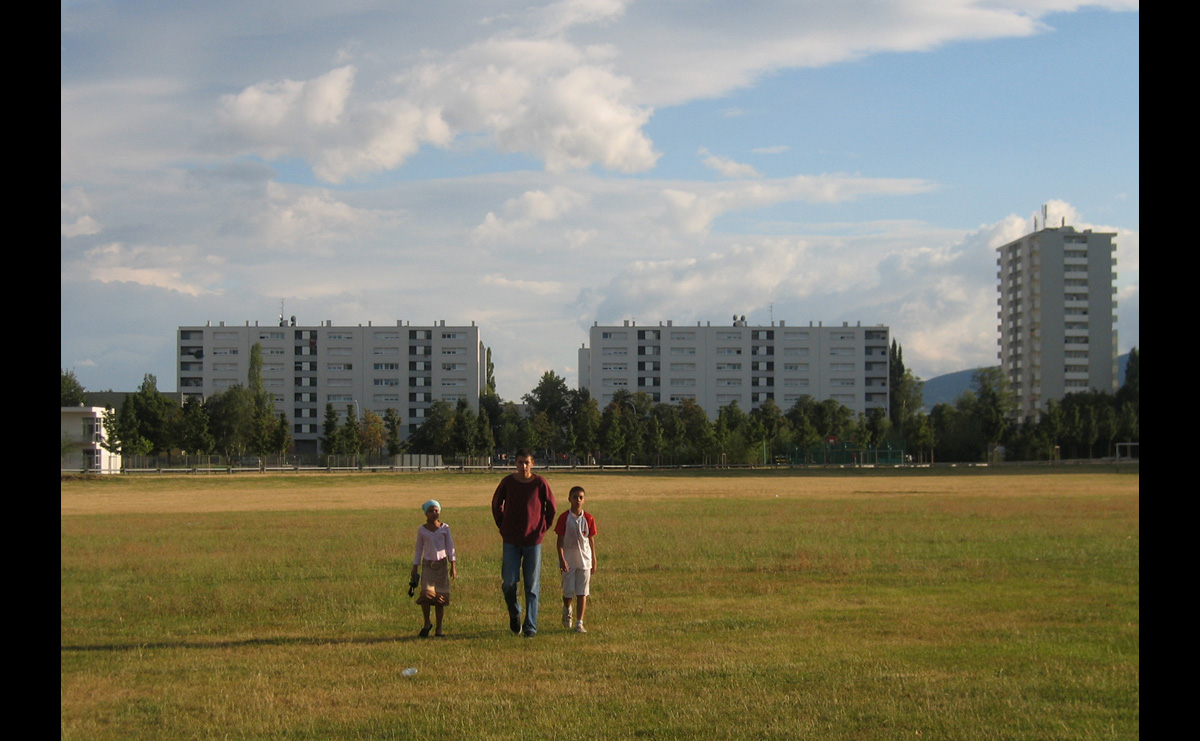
577 549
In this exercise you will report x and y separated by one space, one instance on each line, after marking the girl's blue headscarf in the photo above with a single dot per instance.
431 503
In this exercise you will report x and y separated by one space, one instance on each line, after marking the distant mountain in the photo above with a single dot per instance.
948 387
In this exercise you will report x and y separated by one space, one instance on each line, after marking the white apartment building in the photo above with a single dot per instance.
717 365
372 367
1057 313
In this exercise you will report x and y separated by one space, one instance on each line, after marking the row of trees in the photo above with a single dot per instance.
564 423
1082 425
568 423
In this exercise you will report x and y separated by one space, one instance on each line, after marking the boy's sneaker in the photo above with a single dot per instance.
567 617
579 627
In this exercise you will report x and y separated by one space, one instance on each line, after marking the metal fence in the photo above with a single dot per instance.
433 463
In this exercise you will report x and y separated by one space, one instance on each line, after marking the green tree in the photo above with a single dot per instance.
996 404
612 434
464 430
896 371
585 419
1128 428
72 393
373 435
698 432
802 419
194 435
485 441
510 435
551 398
330 439
232 421
919 439
433 436
264 432
878 425
494 406
1130 391
489 386
151 417
350 440
281 435
832 418
774 424
392 423
671 423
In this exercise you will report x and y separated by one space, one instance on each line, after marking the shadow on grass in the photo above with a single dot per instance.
279 641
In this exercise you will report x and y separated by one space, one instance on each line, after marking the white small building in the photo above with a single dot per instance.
82 432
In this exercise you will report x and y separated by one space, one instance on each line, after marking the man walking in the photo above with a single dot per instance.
523 507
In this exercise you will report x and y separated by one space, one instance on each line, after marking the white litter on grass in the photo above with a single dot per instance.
409 671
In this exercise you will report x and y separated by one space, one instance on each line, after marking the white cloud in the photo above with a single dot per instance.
75 221
726 166
315 221
260 111
539 288
180 269
530 208
694 211
559 16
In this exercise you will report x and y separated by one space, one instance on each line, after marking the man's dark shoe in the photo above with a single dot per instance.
514 624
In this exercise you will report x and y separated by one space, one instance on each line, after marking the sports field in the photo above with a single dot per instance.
963 603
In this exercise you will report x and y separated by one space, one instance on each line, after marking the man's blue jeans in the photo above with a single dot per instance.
522 561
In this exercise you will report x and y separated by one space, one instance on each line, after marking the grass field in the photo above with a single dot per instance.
952 604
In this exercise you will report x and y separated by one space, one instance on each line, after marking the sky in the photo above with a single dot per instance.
536 167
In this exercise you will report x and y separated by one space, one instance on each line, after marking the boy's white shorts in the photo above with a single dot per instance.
576 583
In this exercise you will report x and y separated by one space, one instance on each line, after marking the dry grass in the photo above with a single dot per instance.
947 605
319 491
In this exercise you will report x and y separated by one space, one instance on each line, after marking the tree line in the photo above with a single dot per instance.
564 424
567 424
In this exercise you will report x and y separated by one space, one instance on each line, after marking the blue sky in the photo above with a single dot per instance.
535 167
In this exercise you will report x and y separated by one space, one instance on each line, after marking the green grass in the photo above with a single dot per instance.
885 612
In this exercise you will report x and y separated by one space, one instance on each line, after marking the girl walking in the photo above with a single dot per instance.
434 555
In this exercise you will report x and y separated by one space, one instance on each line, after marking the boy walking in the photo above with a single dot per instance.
576 531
